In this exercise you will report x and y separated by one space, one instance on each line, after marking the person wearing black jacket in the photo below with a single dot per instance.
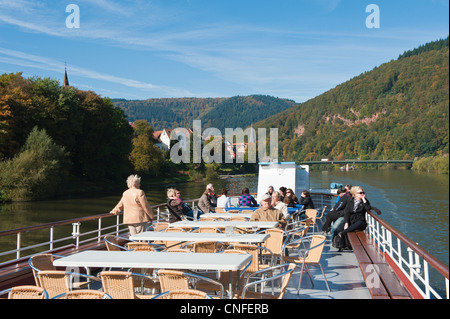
337 211
355 213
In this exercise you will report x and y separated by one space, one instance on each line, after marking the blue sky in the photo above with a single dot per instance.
136 49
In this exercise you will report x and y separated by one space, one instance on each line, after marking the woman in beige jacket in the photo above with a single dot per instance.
136 209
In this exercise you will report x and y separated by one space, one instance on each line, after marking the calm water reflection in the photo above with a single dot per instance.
415 204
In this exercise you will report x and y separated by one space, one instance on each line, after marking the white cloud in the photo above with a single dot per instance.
34 61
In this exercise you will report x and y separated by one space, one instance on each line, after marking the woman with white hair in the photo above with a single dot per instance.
136 209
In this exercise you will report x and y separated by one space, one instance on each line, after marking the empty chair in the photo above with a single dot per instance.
84 294
213 230
224 276
120 284
175 280
183 294
55 282
172 279
41 262
309 257
143 246
274 243
25 292
311 213
319 218
44 262
173 244
205 246
267 275
256 252
113 244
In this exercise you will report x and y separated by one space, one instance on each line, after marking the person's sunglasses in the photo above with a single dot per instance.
361 193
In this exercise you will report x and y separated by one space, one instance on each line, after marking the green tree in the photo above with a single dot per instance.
145 156
37 171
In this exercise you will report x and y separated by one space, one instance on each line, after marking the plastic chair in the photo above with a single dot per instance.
285 274
183 294
25 292
310 257
120 284
84 294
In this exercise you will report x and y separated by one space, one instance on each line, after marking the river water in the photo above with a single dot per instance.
414 203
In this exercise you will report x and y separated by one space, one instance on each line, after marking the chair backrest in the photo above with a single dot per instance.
173 244
238 218
210 219
55 282
172 279
311 213
314 253
275 241
224 275
233 211
160 226
112 244
118 284
140 246
209 230
86 294
27 292
41 262
206 247
183 294
252 250
220 210
322 213
286 279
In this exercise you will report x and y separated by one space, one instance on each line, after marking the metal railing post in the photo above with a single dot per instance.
76 233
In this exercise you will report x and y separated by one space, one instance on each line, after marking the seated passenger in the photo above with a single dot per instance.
246 199
177 208
290 199
267 213
306 200
224 201
278 204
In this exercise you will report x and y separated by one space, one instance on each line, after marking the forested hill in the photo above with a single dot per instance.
234 112
399 110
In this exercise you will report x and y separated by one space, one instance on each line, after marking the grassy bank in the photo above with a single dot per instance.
433 164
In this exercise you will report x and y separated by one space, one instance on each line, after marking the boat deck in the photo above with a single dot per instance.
343 274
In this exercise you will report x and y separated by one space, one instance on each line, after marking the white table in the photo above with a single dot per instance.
145 259
223 224
195 237
225 215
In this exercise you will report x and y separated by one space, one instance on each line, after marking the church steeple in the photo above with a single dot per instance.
66 79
